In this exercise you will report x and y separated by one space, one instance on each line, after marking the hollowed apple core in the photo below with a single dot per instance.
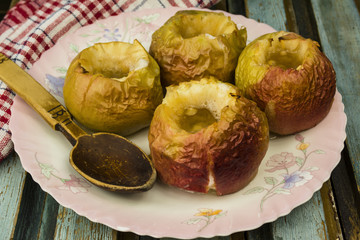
284 60
195 119
193 106
285 54
113 73
213 26
113 60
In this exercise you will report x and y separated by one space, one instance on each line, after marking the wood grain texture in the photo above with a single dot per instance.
263 232
347 199
268 11
305 19
330 211
311 217
36 213
12 177
291 24
339 30
48 219
72 226
236 7
127 236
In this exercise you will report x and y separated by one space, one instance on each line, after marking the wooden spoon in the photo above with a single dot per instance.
104 159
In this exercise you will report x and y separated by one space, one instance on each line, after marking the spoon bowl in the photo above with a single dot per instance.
106 160
96 159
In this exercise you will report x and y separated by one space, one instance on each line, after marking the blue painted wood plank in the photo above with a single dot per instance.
72 226
12 177
48 218
339 30
30 210
32 213
269 12
304 222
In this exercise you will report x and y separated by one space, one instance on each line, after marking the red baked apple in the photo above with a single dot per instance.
206 136
289 78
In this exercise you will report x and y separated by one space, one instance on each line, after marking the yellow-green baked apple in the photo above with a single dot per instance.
206 136
113 87
289 78
195 44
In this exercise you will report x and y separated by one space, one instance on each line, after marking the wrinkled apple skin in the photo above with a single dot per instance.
184 58
230 149
293 99
121 105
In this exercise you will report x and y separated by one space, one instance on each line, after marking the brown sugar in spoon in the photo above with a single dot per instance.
104 159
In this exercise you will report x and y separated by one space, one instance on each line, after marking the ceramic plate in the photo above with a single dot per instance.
293 169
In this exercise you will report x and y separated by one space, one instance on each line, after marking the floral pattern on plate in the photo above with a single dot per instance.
289 169
205 216
73 184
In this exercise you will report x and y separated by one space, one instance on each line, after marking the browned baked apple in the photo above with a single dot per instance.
113 87
206 136
289 78
196 44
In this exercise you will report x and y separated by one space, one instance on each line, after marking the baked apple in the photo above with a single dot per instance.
113 87
289 78
195 44
206 136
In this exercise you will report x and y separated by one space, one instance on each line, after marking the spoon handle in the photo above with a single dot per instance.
53 112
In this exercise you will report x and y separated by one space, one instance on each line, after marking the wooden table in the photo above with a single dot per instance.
27 212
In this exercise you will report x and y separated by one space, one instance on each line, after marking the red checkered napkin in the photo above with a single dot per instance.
33 26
